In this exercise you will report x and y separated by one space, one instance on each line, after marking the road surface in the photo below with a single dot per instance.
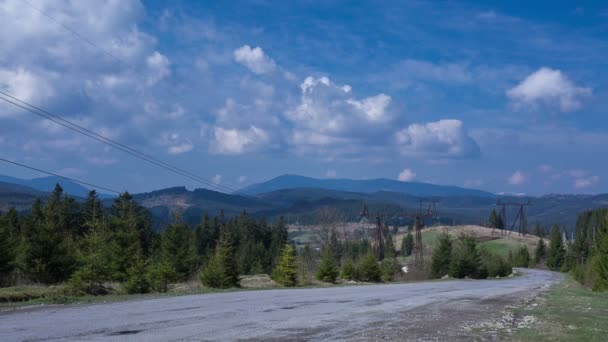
414 311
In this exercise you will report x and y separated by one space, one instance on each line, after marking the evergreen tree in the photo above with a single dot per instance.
178 249
348 270
556 253
285 273
599 262
389 247
541 251
442 255
222 269
466 259
408 244
96 260
92 210
49 257
8 250
493 220
334 246
160 274
137 276
328 268
368 269
388 268
522 257
539 230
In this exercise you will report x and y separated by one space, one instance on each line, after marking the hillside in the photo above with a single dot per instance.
362 186
486 237
47 184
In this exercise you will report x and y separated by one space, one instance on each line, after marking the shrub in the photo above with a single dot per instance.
348 271
442 254
286 271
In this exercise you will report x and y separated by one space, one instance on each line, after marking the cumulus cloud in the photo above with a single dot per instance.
443 138
517 178
217 179
237 141
406 175
158 64
549 87
254 59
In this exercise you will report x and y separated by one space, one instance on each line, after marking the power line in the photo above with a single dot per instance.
60 176
99 137
105 140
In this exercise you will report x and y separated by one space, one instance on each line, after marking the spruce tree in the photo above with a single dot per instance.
328 268
48 256
442 256
408 244
222 269
285 273
368 269
556 253
541 251
8 250
348 270
179 250
493 220
137 276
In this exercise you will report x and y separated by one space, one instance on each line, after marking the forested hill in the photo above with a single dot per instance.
363 186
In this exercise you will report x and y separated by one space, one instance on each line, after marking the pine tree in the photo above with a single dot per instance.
599 262
466 260
493 221
541 251
222 268
328 268
442 256
160 274
388 268
556 253
285 273
522 258
368 269
408 244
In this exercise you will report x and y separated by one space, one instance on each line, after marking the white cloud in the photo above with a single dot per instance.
158 65
517 178
183 147
330 174
585 182
254 59
443 138
235 141
406 175
242 179
25 85
549 87
329 108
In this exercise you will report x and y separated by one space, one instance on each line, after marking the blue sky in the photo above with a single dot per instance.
501 96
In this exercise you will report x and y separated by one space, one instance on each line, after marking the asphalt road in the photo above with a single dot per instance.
376 312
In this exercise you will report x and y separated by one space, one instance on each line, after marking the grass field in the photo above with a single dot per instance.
489 239
567 312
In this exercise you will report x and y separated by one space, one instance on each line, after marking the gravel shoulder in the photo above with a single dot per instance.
445 310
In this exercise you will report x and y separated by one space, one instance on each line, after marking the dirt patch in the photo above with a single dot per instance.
259 281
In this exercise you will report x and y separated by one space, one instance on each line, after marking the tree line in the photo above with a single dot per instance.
88 246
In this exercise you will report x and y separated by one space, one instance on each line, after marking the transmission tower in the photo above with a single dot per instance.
520 219
427 208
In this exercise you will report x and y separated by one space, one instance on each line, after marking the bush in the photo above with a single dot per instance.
328 268
348 271
369 269
495 265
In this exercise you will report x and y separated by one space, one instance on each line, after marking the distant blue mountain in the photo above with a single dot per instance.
47 184
364 186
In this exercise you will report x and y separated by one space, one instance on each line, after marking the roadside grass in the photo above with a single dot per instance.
501 247
567 312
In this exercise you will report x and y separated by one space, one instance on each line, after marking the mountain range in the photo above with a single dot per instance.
299 199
